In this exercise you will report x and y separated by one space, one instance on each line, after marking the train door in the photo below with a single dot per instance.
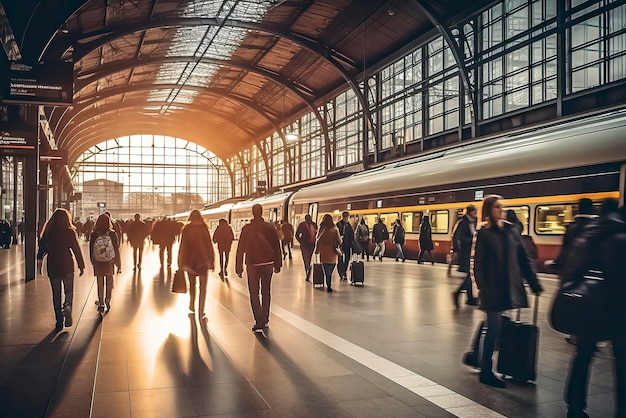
622 185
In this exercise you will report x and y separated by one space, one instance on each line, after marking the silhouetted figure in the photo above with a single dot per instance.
259 246
426 241
397 237
305 234
223 237
379 234
58 241
463 242
287 229
347 244
137 232
196 257
104 252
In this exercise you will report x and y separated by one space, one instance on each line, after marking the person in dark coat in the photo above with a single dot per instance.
574 230
259 245
305 234
380 234
58 241
362 236
5 234
462 238
196 257
223 237
603 244
426 241
397 237
287 240
347 244
104 270
137 233
499 266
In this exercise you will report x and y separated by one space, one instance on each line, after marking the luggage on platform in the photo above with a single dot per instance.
473 357
318 273
357 271
518 347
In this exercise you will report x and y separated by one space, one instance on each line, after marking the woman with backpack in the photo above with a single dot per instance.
362 236
104 253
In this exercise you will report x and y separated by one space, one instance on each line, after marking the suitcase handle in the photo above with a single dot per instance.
535 311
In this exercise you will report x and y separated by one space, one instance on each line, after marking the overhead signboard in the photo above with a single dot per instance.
45 84
18 139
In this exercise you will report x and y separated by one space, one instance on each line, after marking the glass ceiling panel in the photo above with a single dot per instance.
206 41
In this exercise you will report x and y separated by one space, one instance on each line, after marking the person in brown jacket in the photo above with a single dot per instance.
327 246
263 257
58 240
196 257
287 229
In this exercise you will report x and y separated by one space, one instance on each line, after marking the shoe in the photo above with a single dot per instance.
403 260
472 302
492 380
100 308
329 290
577 414
455 299
433 263
58 326
307 280
256 328
67 314
397 260
108 305
470 359
381 259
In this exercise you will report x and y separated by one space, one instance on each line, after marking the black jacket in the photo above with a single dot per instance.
259 242
59 248
398 234
347 235
426 237
499 267
463 242
572 232
380 232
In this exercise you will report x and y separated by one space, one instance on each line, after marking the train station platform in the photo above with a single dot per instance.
392 348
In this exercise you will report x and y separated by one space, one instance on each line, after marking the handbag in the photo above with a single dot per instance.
580 307
179 283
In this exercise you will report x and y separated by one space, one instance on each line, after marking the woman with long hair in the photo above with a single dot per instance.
104 252
397 237
499 267
426 241
58 240
196 257
327 246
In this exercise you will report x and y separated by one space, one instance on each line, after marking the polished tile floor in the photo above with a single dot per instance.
389 349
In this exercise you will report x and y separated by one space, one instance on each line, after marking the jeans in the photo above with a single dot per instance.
343 261
162 248
494 326
223 255
576 388
328 273
67 281
379 249
260 279
287 248
467 286
399 254
109 288
192 291
307 254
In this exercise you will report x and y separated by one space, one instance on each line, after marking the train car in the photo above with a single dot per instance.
541 174
211 216
274 209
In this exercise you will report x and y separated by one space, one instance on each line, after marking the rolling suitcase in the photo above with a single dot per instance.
473 357
518 347
357 272
318 273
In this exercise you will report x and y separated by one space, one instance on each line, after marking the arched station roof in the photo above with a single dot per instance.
223 73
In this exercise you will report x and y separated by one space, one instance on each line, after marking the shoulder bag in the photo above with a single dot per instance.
179 283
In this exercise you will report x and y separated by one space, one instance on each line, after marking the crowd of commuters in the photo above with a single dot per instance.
494 254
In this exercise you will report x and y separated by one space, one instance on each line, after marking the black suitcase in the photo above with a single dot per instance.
318 274
518 347
473 357
357 272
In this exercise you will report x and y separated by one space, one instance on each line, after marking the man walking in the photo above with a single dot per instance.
263 257
305 234
137 233
463 236
347 244
380 234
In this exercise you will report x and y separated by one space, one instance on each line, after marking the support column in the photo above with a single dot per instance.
30 171
43 194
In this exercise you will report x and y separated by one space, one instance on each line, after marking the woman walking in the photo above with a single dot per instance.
499 266
104 252
223 237
58 240
426 241
327 246
196 257
397 238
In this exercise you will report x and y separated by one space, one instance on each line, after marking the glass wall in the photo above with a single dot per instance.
152 175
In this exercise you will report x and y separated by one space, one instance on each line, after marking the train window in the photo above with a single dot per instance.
523 214
552 219
439 221
389 219
370 219
411 221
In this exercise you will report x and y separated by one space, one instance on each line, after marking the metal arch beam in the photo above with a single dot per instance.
324 52
136 127
141 104
104 94
427 9
297 89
